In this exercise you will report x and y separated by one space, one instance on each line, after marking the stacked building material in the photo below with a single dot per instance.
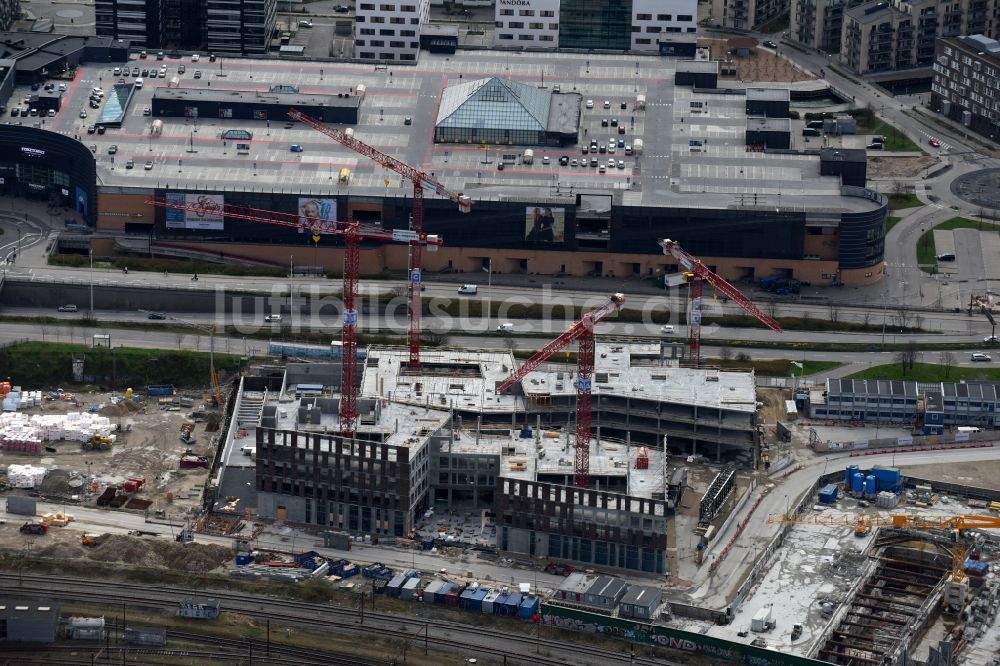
25 476
22 432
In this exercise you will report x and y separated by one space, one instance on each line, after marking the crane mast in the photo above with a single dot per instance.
698 273
353 234
581 332
420 181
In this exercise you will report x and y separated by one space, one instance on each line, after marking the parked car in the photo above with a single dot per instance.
197 73
148 166
469 289
101 129
68 308
113 149
991 339
272 318
505 327
156 315
667 329
981 358
295 148
769 44
83 113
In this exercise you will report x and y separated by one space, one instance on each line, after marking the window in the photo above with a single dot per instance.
414 21
553 26
653 28
408 8
398 45
545 38
526 12
684 17
366 31
643 17
368 54
359 42
397 20
664 17
506 12
536 26
407 33
546 13
692 29
387 33
385 55
526 38
514 25
367 6
669 29
377 42
642 40
387 8
504 35
378 19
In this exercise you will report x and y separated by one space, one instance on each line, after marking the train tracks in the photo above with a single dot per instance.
454 636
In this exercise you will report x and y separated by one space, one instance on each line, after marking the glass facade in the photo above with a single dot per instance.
493 111
595 24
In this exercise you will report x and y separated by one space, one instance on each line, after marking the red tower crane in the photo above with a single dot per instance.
420 180
353 233
697 274
583 333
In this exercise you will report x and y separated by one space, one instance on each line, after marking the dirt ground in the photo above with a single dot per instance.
899 167
985 474
761 65
147 446
63 543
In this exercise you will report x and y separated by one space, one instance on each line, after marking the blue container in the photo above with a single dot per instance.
442 593
887 478
871 486
243 559
509 608
427 544
976 568
828 494
857 484
849 475
499 604
465 600
528 608
525 433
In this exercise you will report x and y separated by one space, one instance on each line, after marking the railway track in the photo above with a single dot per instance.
450 635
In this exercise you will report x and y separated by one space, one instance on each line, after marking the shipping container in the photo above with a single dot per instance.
489 600
243 559
431 590
529 608
161 390
828 494
22 506
410 589
145 635
452 598
511 605
395 586
441 593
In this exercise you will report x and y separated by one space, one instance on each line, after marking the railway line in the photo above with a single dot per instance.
452 636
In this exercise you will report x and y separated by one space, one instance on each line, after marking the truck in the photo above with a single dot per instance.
762 620
193 462
161 390
637 146
780 284
528 157
98 443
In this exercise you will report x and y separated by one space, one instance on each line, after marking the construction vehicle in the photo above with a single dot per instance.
186 535
796 631
696 274
780 284
581 332
34 527
91 539
957 587
98 443
186 436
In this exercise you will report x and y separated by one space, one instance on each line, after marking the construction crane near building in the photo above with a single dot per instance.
420 180
581 332
353 234
205 328
958 583
696 274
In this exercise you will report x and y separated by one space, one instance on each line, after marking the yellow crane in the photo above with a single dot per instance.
210 329
958 582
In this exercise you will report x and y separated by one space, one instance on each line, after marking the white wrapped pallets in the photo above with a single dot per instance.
25 476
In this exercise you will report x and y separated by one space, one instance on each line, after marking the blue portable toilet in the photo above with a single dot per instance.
476 604
871 486
511 605
528 608
442 593
858 484
498 604
465 599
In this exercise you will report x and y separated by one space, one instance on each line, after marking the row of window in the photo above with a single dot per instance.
370 7
387 33
394 44
385 55
683 18
544 13
381 19
526 38
657 29
519 25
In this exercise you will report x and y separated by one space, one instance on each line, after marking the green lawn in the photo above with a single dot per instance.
891 222
895 141
902 201
929 372
927 252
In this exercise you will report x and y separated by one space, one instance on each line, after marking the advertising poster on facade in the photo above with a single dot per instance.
202 211
317 214
543 224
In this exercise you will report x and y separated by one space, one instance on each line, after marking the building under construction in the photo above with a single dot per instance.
440 435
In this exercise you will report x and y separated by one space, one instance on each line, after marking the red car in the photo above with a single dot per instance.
934 142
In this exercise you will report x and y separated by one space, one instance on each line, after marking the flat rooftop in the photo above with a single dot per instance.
666 174
459 379
761 124
253 96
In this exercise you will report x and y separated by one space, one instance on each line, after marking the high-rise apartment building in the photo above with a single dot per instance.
883 37
747 14
221 26
389 31
9 11
966 85
819 23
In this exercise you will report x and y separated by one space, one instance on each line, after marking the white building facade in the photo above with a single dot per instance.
527 23
650 24
658 21
389 31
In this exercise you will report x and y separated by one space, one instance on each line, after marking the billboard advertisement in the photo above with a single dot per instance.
201 211
544 225
317 214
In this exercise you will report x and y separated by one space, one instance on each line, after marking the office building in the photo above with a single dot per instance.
883 37
965 86
641 26
141 22
389 31
240 26
747 14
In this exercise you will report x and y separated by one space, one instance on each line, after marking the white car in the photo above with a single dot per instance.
272 318
83 113
195 57
590 103
148 166
981 358
990 338
667 329
505 327
607 104
469 289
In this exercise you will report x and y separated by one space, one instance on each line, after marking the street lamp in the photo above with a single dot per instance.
90 251
489 292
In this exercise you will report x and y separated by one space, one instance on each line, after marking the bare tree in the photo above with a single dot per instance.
834 311
899 189
725 353
180 341
908 356
866 317
902 317
948 363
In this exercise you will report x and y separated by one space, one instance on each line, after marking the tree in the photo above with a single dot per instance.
902 317
948 363
834 310
908 356
899 189
725 353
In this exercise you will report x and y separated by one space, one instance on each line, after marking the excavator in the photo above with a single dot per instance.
957 587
